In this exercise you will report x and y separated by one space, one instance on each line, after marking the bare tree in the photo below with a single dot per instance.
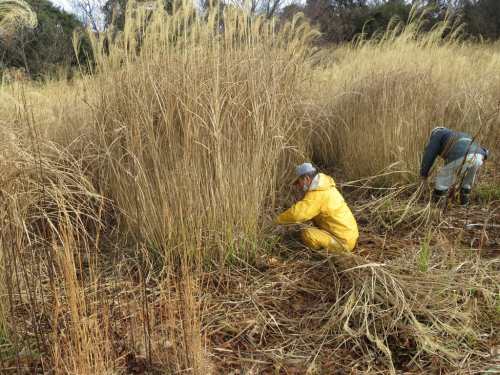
89 12
338 20
268 7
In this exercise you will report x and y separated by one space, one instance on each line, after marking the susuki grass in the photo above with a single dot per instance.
193 129
136 202
377 104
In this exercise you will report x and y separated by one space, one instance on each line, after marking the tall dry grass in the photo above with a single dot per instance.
196 124
122 192
377 102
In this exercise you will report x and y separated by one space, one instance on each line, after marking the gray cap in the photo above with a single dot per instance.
302 169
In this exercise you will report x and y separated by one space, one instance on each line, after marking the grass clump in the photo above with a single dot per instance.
194 126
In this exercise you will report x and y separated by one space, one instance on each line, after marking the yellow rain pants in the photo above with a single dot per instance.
316 239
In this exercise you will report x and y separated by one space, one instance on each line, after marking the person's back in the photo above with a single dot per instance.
335 216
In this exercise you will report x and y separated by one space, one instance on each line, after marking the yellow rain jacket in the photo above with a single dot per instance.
326 206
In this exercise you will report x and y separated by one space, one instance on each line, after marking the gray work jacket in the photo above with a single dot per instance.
450 145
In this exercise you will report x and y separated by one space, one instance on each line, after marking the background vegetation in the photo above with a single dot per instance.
47 47
137 201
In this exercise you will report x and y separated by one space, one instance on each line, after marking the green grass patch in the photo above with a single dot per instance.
486 193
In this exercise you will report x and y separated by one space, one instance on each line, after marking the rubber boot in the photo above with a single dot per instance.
440 197
464 196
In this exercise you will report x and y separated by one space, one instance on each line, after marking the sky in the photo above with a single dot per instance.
65 4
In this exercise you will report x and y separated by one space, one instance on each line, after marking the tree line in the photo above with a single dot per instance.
341 20
38 49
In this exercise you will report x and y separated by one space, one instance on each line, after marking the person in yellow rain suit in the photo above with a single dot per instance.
326 207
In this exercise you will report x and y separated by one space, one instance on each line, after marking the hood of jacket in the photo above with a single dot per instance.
325 182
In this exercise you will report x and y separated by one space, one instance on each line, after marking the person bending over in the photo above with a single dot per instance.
337 228
456 148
